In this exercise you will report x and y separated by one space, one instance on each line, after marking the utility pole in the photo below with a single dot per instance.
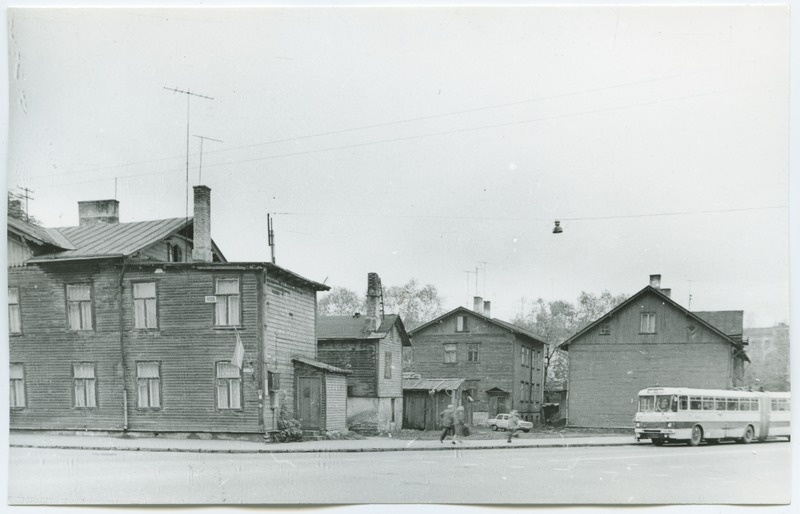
189 95
271 237
200 167
26 195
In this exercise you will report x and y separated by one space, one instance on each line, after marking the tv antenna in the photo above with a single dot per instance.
25 195
200 167
189 96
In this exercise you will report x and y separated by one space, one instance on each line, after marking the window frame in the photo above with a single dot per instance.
160 389
92 316
649 316
464 319
228 379
473 349
217 295
18 313
84 379
387 365
155 298
447 351
13 388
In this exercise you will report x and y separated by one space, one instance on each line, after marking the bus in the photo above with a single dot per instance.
679 414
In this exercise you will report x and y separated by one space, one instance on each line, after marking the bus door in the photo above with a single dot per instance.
763 408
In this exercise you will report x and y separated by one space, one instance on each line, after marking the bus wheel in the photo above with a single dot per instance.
748 435
697 435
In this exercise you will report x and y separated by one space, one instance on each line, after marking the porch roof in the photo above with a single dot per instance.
432 384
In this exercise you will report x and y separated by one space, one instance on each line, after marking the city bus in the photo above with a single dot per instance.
679 414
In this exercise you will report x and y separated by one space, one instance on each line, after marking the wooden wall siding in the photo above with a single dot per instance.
447 326
607 371
393 387
360 357
604 379
336 401
289 329
304 371
531 375
18 252
47 348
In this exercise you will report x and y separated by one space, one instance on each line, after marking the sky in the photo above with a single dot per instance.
427 143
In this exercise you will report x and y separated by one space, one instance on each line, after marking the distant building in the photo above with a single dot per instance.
370 346
648 340
768 350
133 327
500 363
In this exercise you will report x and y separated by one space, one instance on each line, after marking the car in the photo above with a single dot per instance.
501 423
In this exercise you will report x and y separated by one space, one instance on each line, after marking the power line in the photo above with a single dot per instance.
402 121
441 133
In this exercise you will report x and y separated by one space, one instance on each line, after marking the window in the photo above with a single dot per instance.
144 305
16 377
605 329
393 409
684 403
14 320
84 384
79 306
708 403
538 392
472 352
449 353
648 325
229 386
719 403
524 356
387 365
174 253
695 403
227 293
148 379
461 324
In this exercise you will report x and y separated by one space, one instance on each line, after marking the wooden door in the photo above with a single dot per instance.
497 405
414 406
309 402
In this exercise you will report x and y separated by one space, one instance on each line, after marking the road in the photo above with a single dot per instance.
727 473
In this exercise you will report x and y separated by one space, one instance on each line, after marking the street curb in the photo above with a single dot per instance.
319 450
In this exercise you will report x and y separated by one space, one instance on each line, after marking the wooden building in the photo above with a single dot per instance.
133 326
424 399
501 364
370 346
648 340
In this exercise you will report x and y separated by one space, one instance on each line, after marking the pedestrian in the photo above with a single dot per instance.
448 423
461 427
513 424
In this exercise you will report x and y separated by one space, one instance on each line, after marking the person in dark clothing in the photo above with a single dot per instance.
513 424
448 423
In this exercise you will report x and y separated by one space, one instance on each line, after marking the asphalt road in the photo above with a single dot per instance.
727 473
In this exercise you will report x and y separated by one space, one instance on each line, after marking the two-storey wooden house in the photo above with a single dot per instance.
648 340
134 326
501 364
370 346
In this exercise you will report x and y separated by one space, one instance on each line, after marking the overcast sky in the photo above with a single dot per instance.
425 142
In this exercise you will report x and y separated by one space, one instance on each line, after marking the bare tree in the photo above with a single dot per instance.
340 301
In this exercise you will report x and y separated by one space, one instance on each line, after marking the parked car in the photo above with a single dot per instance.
501 423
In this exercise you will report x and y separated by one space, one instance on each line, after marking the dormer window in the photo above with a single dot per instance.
174 253
462 324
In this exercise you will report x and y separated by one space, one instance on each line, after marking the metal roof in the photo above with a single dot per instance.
320 365
356 327
432 384
40 234
113 239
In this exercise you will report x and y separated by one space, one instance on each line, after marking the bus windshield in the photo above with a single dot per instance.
658 403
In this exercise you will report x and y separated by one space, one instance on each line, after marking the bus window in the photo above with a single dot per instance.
662 404
695 403
733 404
646 403
683 403
719 403
708 403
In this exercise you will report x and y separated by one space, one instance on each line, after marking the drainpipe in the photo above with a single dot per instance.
122 346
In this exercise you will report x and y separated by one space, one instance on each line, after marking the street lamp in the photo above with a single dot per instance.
557 229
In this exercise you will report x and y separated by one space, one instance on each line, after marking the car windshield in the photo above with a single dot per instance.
657 403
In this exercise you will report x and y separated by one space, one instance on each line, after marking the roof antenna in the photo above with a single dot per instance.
271 238
200 167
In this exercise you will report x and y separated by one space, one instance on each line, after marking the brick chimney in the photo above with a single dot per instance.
374 298
201 251
98 211
487 309
667 292
477 304
655 281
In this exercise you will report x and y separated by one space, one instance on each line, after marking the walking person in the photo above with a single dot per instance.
513 424
448 423
461 427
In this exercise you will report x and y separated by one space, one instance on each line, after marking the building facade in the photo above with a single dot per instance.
136 326
370 346
648 340
500 363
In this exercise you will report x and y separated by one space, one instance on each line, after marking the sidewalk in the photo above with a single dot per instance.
370 444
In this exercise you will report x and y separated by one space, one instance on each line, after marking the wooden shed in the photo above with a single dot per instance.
425 398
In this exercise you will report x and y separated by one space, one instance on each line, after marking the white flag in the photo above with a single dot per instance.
238 352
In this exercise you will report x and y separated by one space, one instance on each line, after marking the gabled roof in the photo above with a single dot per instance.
729 322
321 365
432 384
498 322
667 300
357 327
39 235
